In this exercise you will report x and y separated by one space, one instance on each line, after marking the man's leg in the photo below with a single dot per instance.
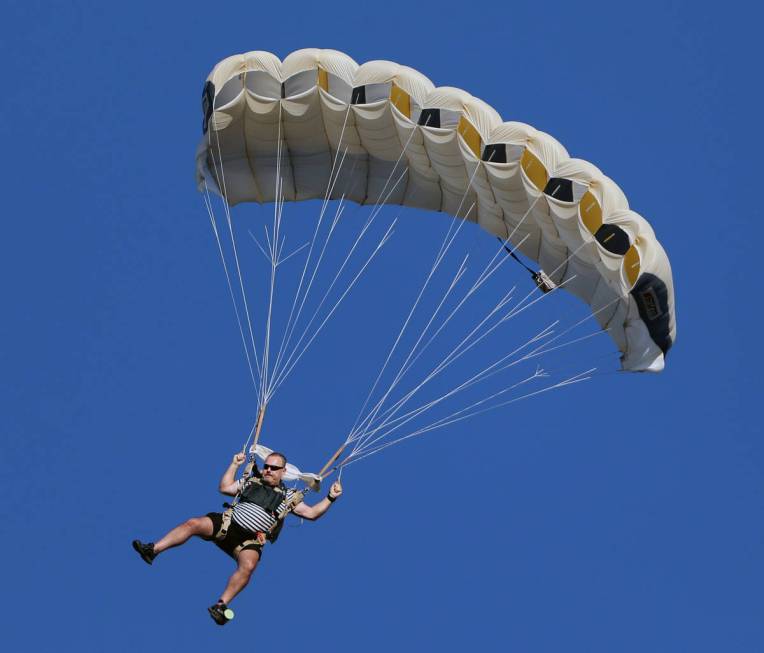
201 526
247 561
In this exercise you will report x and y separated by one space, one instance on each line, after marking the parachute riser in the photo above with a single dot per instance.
332 460
259 423
251 464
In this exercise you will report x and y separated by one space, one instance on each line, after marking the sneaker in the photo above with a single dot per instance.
146 551
220 613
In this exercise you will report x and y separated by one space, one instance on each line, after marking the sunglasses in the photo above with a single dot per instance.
272 468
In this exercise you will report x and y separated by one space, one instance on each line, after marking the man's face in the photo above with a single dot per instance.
273 470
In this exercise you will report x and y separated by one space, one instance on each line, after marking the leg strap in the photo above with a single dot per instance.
225 524
258 539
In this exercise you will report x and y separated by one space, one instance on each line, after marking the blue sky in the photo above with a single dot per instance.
622 514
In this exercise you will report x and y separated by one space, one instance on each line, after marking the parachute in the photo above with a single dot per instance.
319 126
290 122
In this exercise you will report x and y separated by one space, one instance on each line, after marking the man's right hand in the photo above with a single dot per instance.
238 458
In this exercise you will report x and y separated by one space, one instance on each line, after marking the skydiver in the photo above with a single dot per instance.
251 521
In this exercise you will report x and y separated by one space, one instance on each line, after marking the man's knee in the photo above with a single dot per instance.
248 561
200 526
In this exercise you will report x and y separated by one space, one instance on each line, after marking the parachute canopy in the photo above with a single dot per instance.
383 133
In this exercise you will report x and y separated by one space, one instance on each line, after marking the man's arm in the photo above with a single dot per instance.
228 484
314 512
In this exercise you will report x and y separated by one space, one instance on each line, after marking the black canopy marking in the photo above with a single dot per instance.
614 239
495 153
208 100
359 95
559 188
429 118
652 297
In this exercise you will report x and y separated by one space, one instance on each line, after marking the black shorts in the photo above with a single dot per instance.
235 536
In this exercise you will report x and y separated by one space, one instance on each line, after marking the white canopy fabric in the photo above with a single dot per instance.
459 157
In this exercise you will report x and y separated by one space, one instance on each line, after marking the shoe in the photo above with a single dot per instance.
220 613
146 551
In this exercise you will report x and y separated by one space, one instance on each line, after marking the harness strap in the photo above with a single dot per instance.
296 499
258 539
275 530
225 524
247 478
250 466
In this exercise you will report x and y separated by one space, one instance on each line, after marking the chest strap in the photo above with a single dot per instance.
297 498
